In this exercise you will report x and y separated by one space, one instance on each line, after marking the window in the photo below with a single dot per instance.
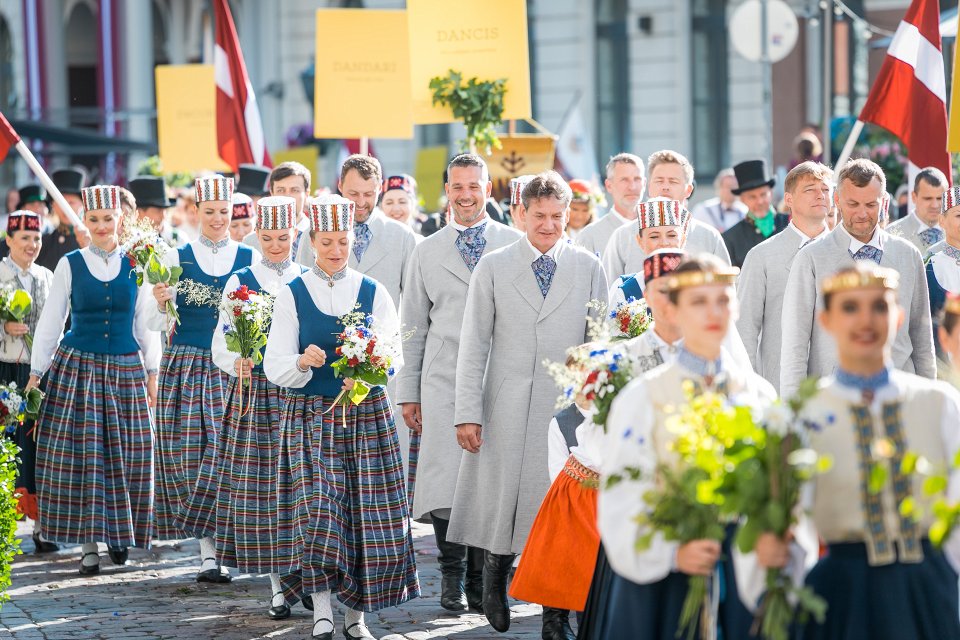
613 79
711 115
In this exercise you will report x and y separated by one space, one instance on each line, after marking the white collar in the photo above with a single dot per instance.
660 342
855 245
552 251
804 238
623 220
923 226
15 268
459 227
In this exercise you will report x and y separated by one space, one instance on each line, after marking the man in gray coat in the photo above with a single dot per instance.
527 304
625 181
922 225
671 176
434 298
807 349
763 278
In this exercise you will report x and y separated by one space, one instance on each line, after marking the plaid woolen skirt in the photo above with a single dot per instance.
343 522
236 496
189 412
95 451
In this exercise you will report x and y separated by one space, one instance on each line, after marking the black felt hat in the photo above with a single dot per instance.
69 181
151 191
252 180
752 174
31 193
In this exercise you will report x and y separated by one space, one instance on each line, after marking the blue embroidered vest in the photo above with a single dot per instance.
101 313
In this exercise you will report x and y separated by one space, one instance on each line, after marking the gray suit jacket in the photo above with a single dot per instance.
907 228
807 350
434 298
624 256
595 236
509 330
760 289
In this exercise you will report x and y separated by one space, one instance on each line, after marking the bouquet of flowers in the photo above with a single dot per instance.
248 315
17 405
366 356
594 373
751 464
14 306
144 249
631 318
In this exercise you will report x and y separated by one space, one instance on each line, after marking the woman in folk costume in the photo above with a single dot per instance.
943 267
94 432
949 334
343 522
192 397
645 597
880 576
235 501
18 270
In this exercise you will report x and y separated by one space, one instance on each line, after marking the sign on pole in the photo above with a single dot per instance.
486 39
187 129
362 82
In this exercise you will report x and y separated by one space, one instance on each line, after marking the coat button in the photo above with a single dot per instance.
106 336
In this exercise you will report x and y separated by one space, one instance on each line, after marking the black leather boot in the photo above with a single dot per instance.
452 559
496 573
556 625
475 578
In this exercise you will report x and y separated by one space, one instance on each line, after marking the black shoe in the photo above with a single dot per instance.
452 595
43 546
281 612
474 587
89 570
215 575
362 628
307 603
556 625
496 569
326 635
118 555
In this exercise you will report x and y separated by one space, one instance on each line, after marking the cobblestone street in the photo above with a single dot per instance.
155 596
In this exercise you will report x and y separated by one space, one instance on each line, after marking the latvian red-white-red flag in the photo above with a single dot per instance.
239 129
909 96
8 137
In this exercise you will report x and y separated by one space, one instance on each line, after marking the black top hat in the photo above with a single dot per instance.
252 180
150 191
70 181
31 193
752 174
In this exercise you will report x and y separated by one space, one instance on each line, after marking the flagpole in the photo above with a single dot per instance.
364 146
47 183
847 149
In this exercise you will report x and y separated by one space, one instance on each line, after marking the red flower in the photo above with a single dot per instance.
624 324
353 362
590 396
339 351
592 377
376 361
133 262
370 347
237 312
243 293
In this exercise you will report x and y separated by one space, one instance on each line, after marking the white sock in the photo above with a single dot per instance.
351 617
322 612
91 560
276 590
208 554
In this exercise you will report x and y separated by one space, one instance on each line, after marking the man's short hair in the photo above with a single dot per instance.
932 176
468 160
722 175
128 203
861 172
807 170
623 158
666 156
285 170
548 184
367 166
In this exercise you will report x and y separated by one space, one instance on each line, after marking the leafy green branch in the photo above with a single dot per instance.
478 103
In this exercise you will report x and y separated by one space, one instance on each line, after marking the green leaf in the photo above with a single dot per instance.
20 304
934 485
878 478
909 463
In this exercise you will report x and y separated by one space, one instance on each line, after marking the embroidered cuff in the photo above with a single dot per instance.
299 368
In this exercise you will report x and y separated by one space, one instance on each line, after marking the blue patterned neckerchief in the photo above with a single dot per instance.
866 385
700 366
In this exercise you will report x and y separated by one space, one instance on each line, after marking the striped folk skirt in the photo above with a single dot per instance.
95 451
189 411
26 484
561 550
343 522
236 496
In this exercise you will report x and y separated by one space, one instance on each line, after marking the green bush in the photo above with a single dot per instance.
9 545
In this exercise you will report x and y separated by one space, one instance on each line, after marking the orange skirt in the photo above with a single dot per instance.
558 560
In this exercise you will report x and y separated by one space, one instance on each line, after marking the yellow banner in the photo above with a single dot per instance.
362 85
486 39
308 156
953 128
428 172
521 154
187 128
